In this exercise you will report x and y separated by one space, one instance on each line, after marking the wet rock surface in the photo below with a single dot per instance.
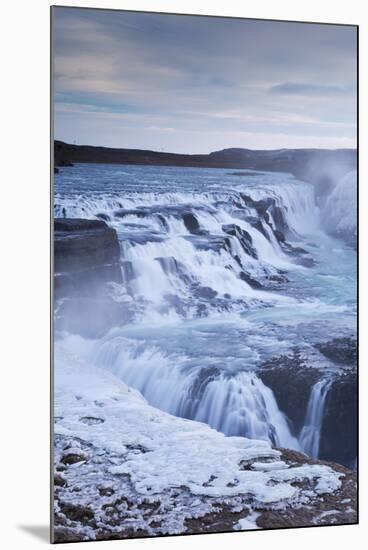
191 222
340 350
244 238
86 261
81 243
86 254
291 381
339 437
270 218
292 377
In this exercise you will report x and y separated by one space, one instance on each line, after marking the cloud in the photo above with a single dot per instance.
130 73
293 88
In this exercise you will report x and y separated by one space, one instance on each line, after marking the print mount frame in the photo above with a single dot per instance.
204 253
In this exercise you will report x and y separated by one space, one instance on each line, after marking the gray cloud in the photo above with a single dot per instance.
293 88
195 84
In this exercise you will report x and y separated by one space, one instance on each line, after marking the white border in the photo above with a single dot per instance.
24 302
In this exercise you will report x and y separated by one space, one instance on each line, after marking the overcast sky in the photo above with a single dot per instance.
199 84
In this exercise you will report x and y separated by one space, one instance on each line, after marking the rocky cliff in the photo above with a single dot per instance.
86 266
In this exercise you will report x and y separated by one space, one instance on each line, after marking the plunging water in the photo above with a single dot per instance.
220 273
311 433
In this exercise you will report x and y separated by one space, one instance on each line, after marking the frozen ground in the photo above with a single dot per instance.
125 469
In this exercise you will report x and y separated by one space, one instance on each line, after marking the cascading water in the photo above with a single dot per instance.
237 404
243 406
215 283
310 435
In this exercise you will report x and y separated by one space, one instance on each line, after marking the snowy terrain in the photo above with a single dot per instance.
110 442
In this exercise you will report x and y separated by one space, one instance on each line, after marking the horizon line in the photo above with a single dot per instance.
210 152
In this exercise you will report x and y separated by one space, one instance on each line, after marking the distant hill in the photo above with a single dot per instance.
307 164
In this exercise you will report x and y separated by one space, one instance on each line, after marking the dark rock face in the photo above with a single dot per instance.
279 218
279 236
250 280
340 350
73 458
257 224
205 292
291 381
81 244
104 217
86 254
339 437
191 222
59 480
265 208
262 222
86 259
76 513
244 238
261 206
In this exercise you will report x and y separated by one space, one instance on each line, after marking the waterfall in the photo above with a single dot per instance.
242 405
236 404
152 233
215 246
310 434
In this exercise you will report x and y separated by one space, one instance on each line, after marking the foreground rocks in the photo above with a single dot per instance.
333 509
93 504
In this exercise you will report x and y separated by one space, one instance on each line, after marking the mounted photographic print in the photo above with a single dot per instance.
204 274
